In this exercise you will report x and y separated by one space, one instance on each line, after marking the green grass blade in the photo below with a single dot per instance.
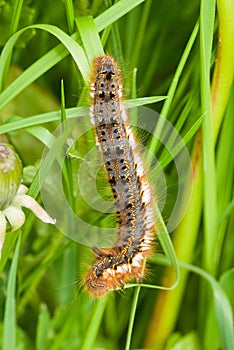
165 159
16 16
172 89
224 69
13 28
52 155
141 101
224 165
92 331
90 37
116 11
70 113
70 15
75 49
37 131
8 246
210 206
68 167
71 45
31 74
167 245
55 55
29 285
141 33
42 327
227 283
167 306
228 210
132 317
9 330
41 134
222 305
42 118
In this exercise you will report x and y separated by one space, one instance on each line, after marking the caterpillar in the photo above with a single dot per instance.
116 265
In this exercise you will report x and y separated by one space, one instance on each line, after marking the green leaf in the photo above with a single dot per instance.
70 113
227 283
42 327
55 55
222 306
171 92
115 12
90 38
9 332
188 342
210 205
94 325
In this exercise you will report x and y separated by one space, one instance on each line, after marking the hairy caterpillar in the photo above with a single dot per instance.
131 191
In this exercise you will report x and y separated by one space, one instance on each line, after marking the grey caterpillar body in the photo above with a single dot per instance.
131 191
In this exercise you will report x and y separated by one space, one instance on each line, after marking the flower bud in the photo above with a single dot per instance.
10 174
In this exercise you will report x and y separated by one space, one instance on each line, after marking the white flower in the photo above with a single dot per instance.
13 194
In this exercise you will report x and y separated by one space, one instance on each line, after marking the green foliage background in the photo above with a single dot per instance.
174 46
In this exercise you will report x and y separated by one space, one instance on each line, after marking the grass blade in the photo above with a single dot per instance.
90 38
42 327
222 306
172 89
94 324
210 206
55 55
75 112
9 330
